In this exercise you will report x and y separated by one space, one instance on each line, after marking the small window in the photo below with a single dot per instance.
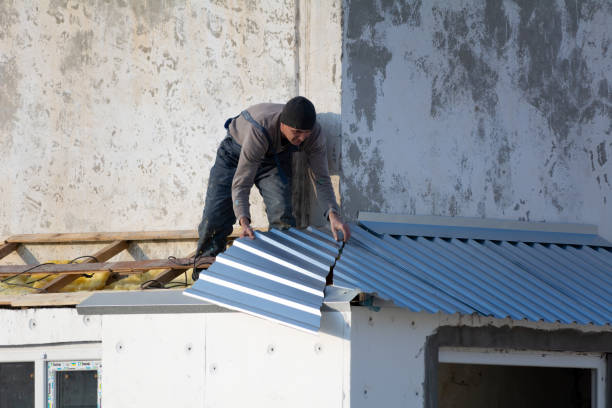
17 384
74 384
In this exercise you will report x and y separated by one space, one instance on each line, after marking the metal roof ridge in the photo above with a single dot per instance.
485 229
476 222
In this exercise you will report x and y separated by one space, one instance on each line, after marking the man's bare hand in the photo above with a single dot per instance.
336 224
247 231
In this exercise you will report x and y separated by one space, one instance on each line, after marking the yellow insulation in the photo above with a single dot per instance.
83 283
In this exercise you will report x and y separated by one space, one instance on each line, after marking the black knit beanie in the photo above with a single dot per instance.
299 113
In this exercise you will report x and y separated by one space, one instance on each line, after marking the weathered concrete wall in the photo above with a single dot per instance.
389 350
320 77
111 111
499 109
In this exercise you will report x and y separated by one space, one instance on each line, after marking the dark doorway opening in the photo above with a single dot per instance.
486 386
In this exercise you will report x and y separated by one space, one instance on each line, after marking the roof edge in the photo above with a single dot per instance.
475 222
482 228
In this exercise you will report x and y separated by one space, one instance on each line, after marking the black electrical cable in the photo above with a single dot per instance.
84 256
176 285
36 280
154 283
86 275
26 285
44 277
195 275
175 261
158 284
26 271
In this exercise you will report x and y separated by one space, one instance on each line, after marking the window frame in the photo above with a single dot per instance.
596 362
41 354
55 367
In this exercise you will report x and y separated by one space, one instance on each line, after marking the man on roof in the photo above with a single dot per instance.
257 150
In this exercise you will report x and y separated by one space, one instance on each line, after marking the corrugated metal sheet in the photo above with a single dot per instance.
536 281
482 228
279 275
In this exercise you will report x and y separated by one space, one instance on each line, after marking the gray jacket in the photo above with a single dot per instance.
255 146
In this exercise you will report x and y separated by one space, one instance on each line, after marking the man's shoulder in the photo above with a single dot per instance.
264 110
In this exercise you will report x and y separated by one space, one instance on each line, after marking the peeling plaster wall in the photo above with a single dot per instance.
320 78
499 109
111 111
389 347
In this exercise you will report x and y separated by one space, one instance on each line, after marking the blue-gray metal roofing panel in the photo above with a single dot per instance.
493 234
279 275
536 281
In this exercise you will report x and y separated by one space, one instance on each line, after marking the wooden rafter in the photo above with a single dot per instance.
118 241
102 255
7 248
166 275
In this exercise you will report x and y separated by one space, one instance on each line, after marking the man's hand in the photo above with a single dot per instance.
247 231
336 225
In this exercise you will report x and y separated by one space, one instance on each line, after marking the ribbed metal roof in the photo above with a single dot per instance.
535 281
279 275
480 228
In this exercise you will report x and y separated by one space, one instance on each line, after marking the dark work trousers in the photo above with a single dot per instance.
218 216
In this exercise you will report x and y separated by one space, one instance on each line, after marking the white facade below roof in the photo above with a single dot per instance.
221 359
361 357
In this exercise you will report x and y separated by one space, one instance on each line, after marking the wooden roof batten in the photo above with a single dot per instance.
118 242
70 237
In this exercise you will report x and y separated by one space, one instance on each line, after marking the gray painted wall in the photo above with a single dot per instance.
498 109
111 111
